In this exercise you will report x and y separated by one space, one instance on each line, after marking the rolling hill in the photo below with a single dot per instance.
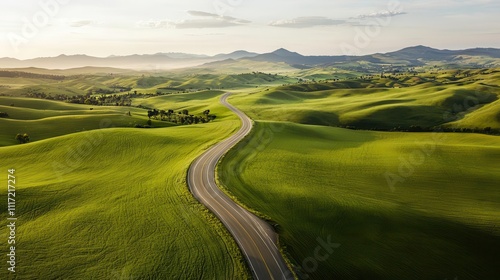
89 172
438 221
112 202
429 102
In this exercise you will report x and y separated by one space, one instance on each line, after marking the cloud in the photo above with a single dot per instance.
201 14
203 20
218 17
204 23
155 24
381 14
80 23
305 22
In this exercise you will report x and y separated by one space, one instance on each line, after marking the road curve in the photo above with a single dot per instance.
256 239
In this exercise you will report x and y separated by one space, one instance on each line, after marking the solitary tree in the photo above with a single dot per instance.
22 138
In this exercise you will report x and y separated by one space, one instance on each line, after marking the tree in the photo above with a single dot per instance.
22 138
154 113
149 122
4 115
185 112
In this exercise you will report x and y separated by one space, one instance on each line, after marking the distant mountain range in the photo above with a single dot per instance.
411 57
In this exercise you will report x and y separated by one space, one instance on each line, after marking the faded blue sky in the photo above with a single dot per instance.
101 28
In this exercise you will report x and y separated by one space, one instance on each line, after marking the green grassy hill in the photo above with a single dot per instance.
241 66
196 103
374 104
113 203
155 83
118 199
440 221
43 119
81 81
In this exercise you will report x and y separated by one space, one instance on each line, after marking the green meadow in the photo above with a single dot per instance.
100 199
113 203
401 205
376 104
44 119
80 81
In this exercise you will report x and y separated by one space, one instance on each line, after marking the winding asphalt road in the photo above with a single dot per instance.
256 239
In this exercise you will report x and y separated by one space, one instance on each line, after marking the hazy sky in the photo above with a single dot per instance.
32 28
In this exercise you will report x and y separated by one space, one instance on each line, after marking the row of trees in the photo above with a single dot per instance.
106 97
102 100
417 128
114 89
180 117
108 100
19 74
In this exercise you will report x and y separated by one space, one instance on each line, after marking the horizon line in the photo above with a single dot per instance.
253 52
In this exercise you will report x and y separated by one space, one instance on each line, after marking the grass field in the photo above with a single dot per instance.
80 81
440 221
113 203
39 118
421 101
44 119
196 103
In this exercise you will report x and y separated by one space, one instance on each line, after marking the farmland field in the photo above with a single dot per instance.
439 220
382 103
252 140
113 203
396 205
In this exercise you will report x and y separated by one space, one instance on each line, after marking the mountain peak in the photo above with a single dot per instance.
236 55
285 53
419 49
